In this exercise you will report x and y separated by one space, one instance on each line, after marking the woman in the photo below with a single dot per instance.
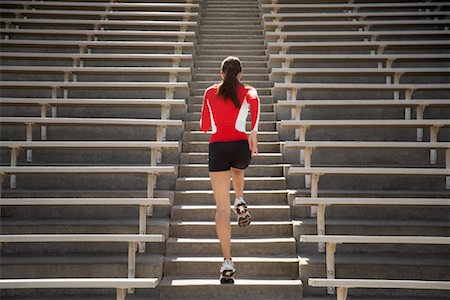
225 109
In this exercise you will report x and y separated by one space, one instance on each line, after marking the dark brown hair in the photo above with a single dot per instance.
231 66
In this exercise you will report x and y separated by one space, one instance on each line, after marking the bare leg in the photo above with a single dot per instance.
238 181
220 182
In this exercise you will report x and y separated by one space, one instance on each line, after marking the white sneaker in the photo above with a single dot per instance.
240 207
227 272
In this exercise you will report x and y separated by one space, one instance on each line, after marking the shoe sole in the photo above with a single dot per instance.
227 277
244 217
244 220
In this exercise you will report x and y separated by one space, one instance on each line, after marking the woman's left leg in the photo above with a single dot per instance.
220 182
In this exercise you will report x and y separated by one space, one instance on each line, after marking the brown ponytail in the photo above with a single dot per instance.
231 66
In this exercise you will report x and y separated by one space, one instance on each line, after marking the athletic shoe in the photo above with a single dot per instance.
227 272
240 207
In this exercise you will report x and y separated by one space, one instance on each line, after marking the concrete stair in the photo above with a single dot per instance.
265 252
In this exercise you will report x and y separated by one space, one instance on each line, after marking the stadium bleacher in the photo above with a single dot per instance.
104 184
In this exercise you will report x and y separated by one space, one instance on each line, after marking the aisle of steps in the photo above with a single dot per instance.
265 252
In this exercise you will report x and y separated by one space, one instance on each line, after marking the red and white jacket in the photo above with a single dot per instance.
227 122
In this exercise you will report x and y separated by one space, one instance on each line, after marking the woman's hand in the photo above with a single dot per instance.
253 143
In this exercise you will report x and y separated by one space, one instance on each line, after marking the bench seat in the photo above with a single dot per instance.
356 24
387 59
355 15
120 284
85 45
91 34
343 285
102 24
101 14
379 46
350 6
106 5
409 89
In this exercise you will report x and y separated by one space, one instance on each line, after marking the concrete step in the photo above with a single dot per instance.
263 125
273 170
202 158
251 183
260 288
209 39
386 266
261 92
214 76
205 197
221 52
203 147
264 116
207 212
223 16
233 46
247 61
280 229
239 247
257 81
100 265
263 136
245 266
198 108
198 98
249 70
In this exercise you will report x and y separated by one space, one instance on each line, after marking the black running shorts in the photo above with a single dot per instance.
224 155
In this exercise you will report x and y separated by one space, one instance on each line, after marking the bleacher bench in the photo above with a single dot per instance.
356 15
332 240
409 89
101 14
145 204
78 59
303 125
388 59
309 146
102 24
131 239
375 46
106 5
168 87
150 171
85 46
120 284
354 24
391 73
154 147
274 6
173 72
94 34
343 285
323 202
316 172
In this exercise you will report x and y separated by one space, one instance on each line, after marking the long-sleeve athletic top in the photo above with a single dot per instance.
227 122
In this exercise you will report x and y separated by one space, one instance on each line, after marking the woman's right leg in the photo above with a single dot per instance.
220 182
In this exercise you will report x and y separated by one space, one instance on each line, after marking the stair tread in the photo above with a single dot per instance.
218 259
267 240
182 281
